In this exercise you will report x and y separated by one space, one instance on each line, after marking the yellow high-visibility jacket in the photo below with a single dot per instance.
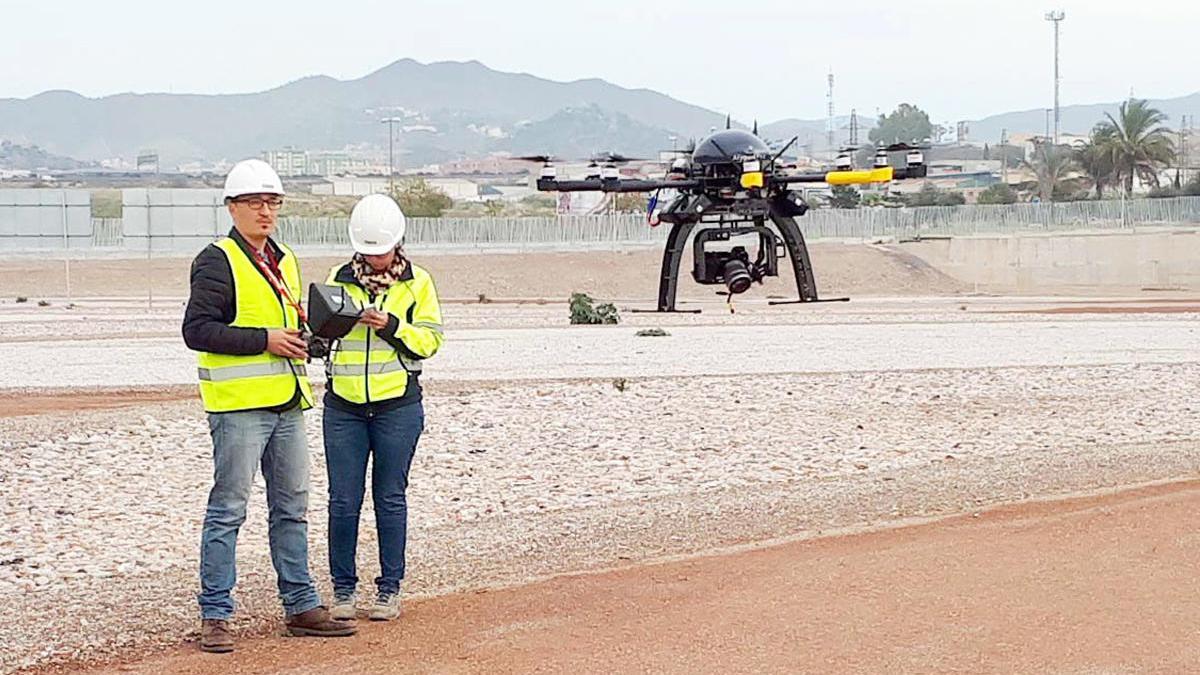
371 366
231 383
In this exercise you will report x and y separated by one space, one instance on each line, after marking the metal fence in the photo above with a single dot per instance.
484 232
107 233
861 224
166 229
906 223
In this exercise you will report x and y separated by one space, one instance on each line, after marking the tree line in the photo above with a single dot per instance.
1134 145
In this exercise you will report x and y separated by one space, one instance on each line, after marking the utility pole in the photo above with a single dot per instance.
829 111
1181 172
1191 122
1004 156
391 121
1056 17
1048 137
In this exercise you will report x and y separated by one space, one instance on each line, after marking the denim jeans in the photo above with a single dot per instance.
350 437
241 442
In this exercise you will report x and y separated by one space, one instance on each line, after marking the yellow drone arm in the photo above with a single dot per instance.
880 175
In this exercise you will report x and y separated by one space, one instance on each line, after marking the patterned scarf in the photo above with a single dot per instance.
376 282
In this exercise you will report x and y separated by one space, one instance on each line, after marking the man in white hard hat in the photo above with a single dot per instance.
373 407
244 318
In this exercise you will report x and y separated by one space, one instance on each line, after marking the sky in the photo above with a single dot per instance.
957 59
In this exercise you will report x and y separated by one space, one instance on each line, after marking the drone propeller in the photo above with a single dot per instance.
898 147
543 159
615 158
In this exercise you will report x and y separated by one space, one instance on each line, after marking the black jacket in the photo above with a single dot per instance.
212 307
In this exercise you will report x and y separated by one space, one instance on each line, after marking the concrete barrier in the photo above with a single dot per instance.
39 219
1164 258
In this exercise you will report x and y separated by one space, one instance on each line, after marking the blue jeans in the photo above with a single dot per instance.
350 438
241 442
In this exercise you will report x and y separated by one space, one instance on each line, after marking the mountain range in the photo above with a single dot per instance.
443 111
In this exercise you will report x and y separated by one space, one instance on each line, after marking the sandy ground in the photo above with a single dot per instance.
553 449
1100 584
840 269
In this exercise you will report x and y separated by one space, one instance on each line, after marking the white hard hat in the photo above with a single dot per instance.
252 177
376 225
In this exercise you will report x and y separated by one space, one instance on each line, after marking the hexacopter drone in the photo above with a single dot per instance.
731 184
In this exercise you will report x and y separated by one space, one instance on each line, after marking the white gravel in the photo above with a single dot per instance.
616 351
100 511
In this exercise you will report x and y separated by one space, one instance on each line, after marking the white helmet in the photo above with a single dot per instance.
376 225
252 177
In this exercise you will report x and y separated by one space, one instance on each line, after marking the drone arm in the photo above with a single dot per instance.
881 175
611 185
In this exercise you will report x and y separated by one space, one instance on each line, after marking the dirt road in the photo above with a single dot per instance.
1097 584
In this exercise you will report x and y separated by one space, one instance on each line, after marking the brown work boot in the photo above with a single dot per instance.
317 622
215 636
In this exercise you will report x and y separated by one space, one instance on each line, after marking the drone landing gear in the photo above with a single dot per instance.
806 302
793 240
662 311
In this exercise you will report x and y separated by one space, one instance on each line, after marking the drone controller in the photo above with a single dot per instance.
332 313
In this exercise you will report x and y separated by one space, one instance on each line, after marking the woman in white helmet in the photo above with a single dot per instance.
373 399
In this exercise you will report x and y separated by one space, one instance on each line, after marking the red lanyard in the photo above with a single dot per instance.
280 287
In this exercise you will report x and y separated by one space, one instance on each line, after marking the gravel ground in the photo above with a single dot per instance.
529 475
867 339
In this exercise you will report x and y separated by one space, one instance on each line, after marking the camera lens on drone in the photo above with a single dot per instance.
737 276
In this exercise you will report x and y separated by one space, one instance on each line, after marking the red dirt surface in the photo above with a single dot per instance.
17 402
1097 584
1108 309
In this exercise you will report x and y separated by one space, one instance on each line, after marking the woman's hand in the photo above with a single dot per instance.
373 318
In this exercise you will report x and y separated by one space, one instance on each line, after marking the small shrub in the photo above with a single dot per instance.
582 311
652 332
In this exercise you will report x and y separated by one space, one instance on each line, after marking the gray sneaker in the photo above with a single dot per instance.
386 607
344 607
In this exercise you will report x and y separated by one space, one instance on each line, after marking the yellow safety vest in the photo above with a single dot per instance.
365 368
229 383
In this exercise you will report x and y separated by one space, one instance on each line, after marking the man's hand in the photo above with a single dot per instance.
286 342
373 318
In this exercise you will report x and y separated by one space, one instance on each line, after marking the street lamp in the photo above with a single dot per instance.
1056 17
391 121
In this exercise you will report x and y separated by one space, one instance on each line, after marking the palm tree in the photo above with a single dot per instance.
1095 158
1137 143
1055 169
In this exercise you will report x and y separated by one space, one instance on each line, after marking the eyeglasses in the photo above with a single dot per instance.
256 203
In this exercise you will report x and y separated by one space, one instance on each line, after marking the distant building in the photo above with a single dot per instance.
458 189
332 164
292 162
485 165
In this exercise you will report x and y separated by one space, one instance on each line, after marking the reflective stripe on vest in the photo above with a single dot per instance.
230 383
279 367
363 366
361 369
382 352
